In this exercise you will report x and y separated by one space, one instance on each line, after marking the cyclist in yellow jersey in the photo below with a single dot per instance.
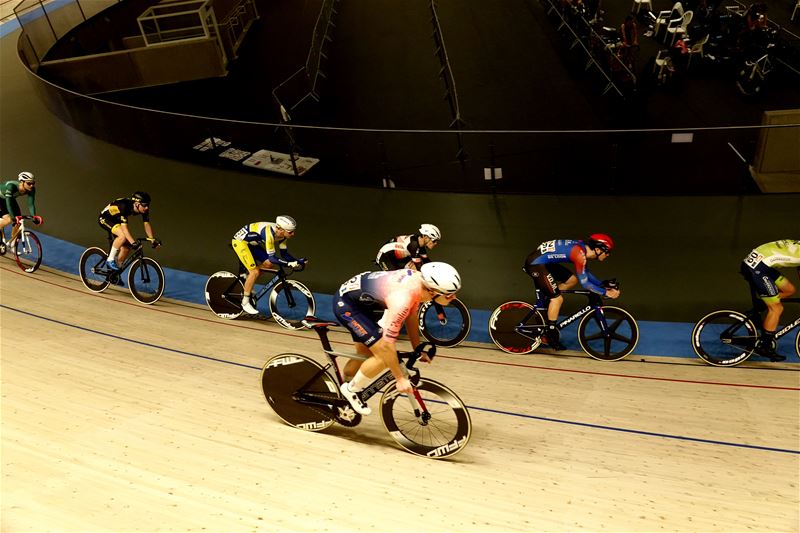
262 246
759 268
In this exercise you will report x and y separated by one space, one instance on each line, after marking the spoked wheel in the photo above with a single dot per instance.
28 251
444 325
287 375
441 432
614 341
724 338
146 280
503 323
93 270
224 292
290 302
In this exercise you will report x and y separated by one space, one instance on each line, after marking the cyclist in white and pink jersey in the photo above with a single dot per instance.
397 295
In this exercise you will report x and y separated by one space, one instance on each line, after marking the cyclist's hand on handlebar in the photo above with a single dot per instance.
18 219
612 293
610 283
38 220
154 242
293 264
404 385
135 245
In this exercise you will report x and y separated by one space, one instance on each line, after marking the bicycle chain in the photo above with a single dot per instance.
346 417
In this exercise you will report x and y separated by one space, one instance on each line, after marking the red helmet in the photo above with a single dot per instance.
600 240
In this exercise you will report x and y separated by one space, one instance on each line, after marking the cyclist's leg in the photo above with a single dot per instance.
247 257
558 278
768 285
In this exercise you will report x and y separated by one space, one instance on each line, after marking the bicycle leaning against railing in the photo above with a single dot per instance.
145 276
430 422
25 245
605 332
728 338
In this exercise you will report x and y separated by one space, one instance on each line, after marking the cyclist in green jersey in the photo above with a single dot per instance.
760 269
9 208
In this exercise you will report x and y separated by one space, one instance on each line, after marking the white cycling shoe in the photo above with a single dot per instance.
248 308
354 400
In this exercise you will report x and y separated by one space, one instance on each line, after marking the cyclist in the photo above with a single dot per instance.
397 294
257 246
768 285
9 208
551 277
409 251
114 219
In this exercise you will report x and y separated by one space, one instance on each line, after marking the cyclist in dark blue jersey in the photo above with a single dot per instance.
550 276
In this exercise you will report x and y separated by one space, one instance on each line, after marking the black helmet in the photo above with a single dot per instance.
141 197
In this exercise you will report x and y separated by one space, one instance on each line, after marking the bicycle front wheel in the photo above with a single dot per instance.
285 377
28 251
724 338
608 333
146 280
448 329
503 327
93 270
290 302
224 292
442 430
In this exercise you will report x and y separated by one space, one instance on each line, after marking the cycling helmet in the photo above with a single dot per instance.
141 197
25 176
429 230
286 222
600 240
440 277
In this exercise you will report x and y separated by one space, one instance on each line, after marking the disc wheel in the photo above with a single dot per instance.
224 292
504 321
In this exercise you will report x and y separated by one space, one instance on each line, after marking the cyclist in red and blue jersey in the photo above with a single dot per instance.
550 276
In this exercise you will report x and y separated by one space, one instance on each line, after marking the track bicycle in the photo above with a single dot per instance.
431 422
444 325
605 332
728 338
290 302
145 276
25 244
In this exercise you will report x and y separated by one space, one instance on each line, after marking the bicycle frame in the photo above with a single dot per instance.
755 315
133 256
534 332
280 275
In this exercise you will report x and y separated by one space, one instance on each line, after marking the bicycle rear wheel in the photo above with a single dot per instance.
286 375
449 330
146 280
504 321
93 270
445 430
224 292
28 252
290 314
724 338
614 341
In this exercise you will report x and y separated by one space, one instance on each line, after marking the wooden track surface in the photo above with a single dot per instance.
122 417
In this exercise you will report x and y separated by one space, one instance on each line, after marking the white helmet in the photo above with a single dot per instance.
25 176
440 277
429 230
286 222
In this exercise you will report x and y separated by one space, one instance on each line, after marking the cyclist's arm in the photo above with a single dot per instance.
588 280
148 229
123 227
32 202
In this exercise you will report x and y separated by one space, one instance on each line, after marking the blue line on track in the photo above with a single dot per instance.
484 409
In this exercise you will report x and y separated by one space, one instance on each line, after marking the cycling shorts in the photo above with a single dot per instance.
360 319
763 280
250 256
109 224
546 277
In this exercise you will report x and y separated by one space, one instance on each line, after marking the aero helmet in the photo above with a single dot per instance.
25 176
286 222
440 277
429 230
141 197
600 240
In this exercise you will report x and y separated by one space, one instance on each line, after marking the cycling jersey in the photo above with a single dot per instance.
552 253
10 191
397 292
760 266
117 212
262 244
398 251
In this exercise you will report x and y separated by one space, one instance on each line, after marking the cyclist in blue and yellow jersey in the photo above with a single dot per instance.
262 246
396 296
409 251
114 219
759 268
25 185
551 277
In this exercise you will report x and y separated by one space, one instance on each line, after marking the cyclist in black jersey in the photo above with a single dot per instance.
409 251
114 219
